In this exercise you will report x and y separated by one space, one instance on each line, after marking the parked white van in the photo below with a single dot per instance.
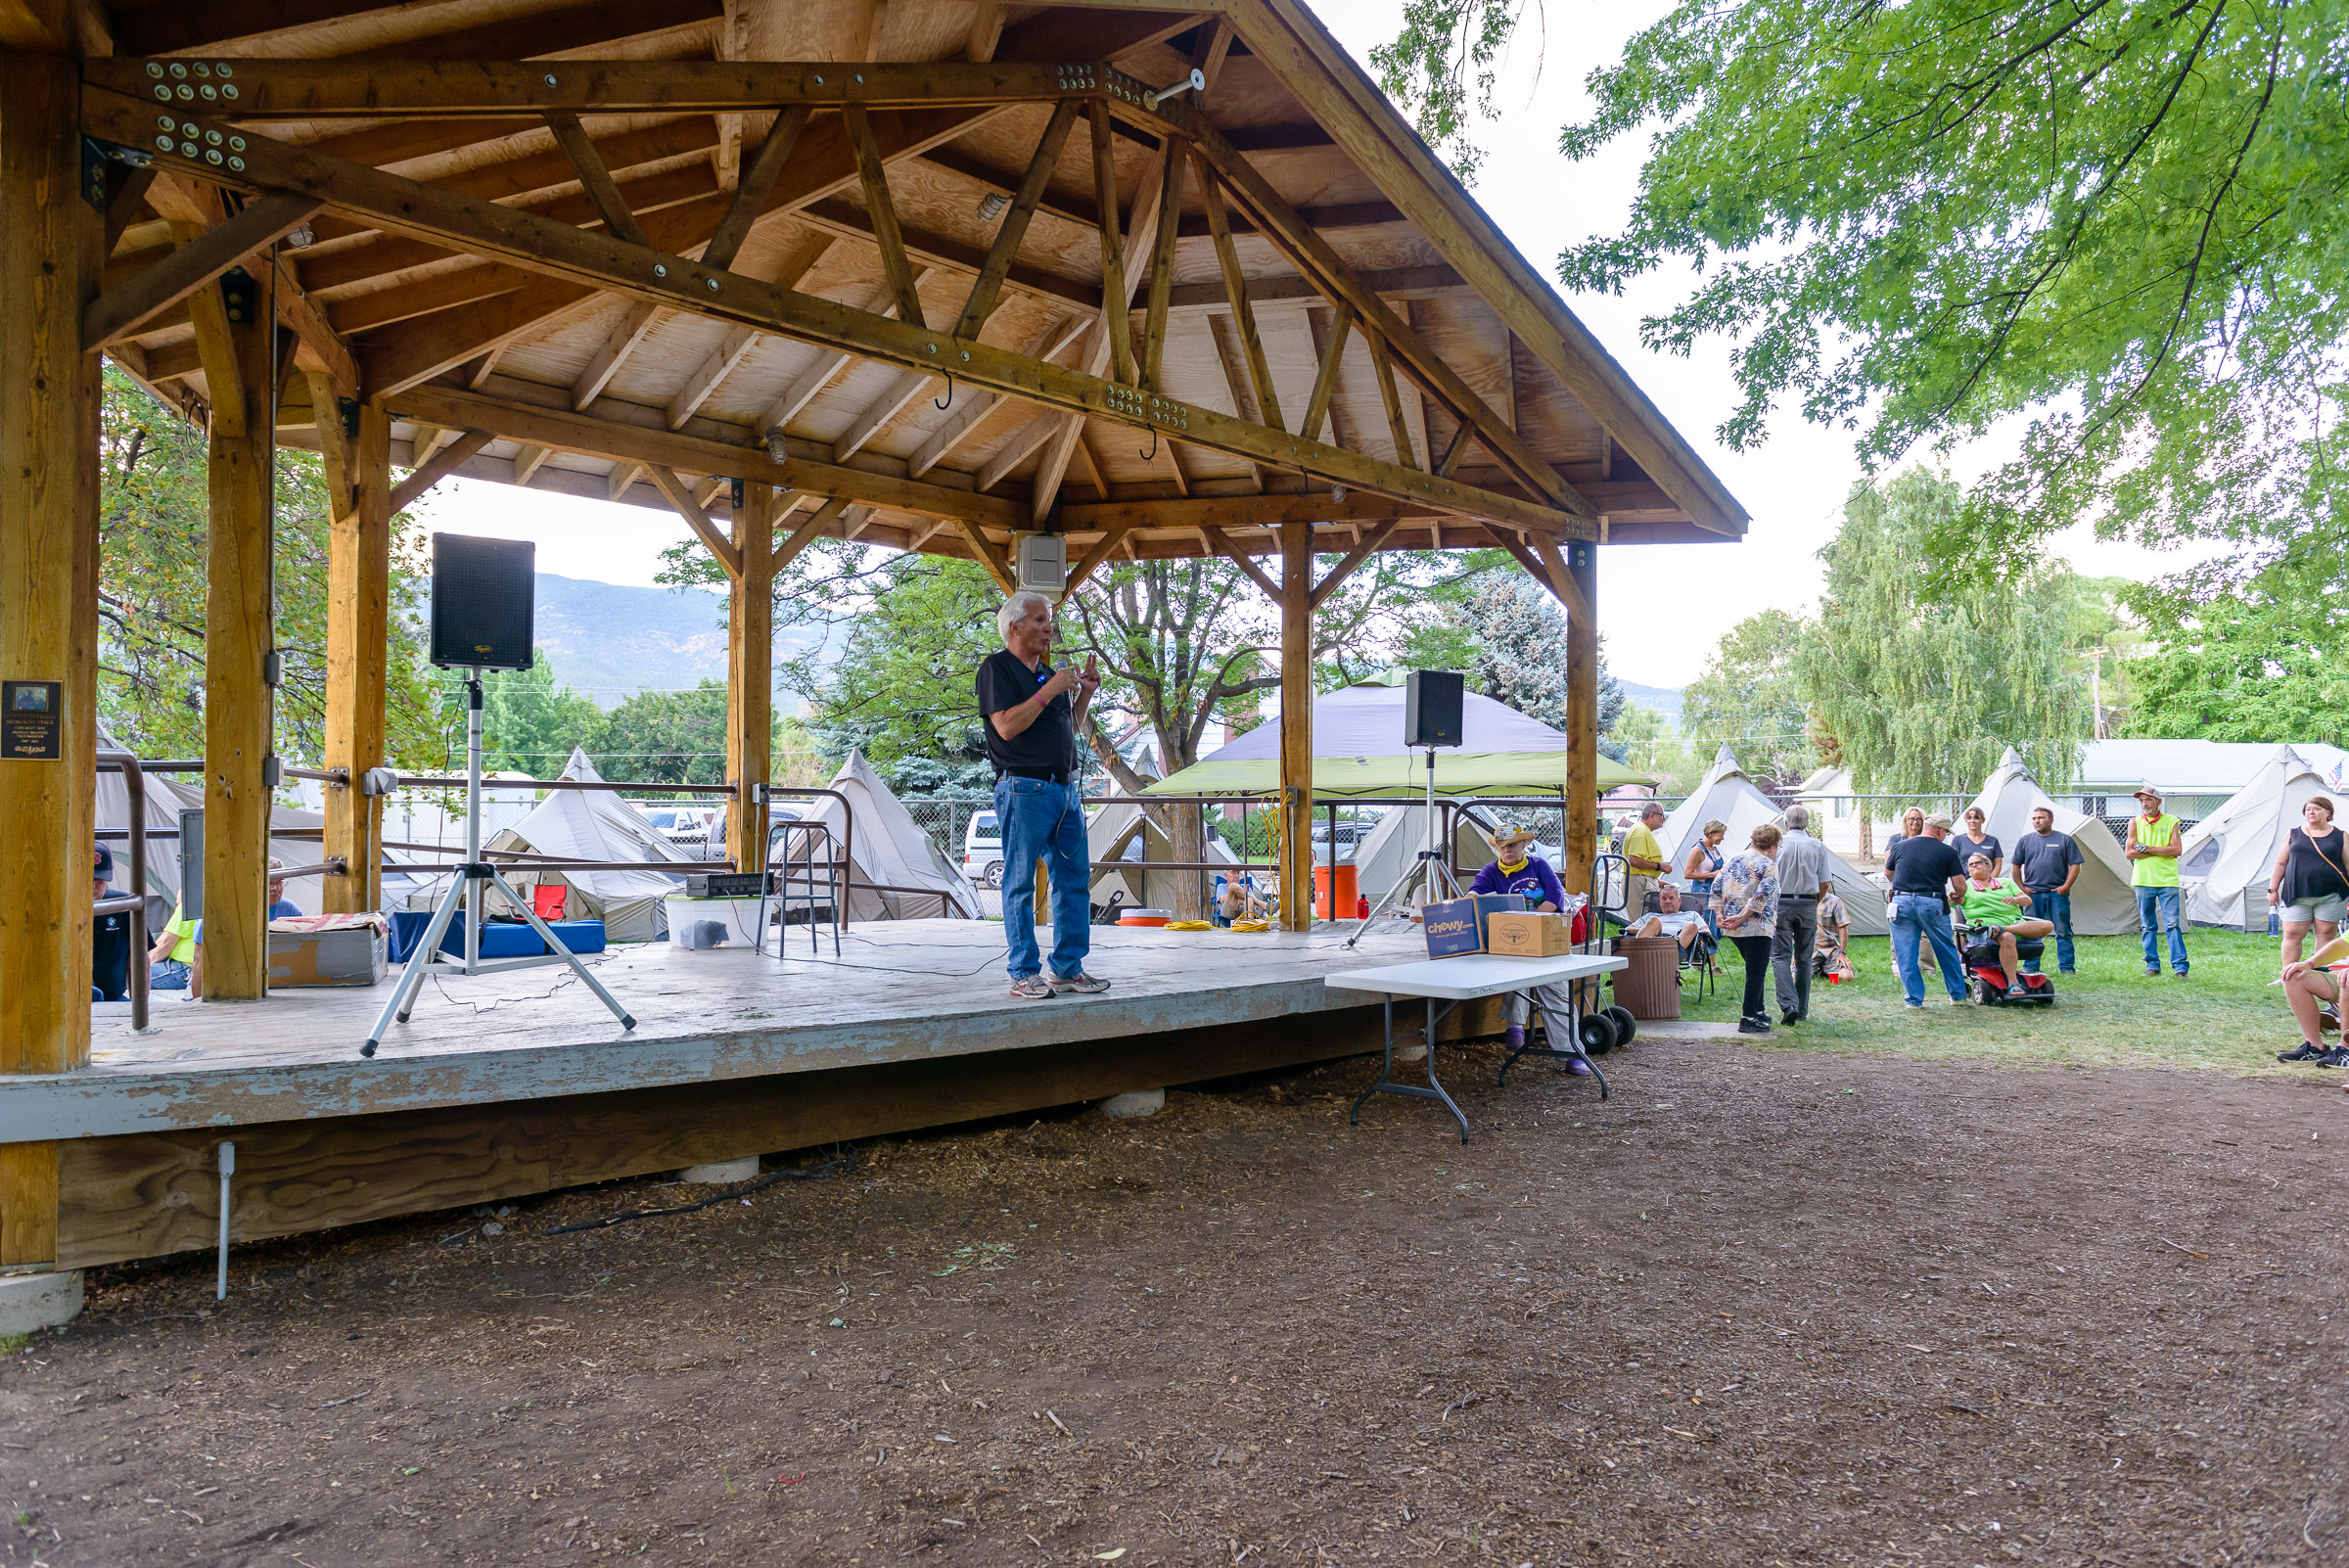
982 850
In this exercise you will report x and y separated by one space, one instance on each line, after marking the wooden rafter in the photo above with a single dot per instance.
566 430
190 266
670 485
974 406
1336 577
346 88
595 179
873 173
1243 314
1255 574
757 179
1162 269
434 467
987 286
1312 254
1113 258
1325 375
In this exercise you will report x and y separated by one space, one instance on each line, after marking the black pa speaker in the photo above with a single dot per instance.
483 592
1430 708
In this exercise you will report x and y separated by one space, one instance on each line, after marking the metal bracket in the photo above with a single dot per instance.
94 163
273 669
242 294
735 494
349 407
273 772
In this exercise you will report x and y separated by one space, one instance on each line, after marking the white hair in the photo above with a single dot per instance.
1015 609
1797 818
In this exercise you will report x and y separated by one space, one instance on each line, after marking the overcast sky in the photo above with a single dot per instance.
1793 485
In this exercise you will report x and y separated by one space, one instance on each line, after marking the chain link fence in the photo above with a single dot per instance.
946 819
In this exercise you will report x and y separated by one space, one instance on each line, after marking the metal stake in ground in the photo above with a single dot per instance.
469 891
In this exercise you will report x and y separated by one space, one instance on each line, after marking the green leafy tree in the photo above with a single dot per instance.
1924 689
666 737
2125 223
2254 659
530 721
1750 700
1651 744
154 513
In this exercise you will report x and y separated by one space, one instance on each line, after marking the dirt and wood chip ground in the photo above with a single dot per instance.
1763 1306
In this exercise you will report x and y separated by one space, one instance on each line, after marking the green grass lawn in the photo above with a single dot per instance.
2223 1015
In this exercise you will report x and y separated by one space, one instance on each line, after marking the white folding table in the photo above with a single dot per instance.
1453 980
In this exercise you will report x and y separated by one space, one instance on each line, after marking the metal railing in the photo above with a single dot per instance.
134 780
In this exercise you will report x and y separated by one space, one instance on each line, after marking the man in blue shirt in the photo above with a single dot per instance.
2047 863
1517 869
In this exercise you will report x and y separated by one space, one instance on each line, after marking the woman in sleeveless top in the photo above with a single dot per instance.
2308 883
1701 866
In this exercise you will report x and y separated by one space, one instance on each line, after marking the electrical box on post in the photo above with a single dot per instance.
1040 565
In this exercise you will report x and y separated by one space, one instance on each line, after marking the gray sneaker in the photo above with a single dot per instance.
1083 984
1031 987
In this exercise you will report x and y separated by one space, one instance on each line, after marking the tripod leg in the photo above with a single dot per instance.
411 979
554 944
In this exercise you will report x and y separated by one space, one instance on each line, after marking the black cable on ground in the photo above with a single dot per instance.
840 1166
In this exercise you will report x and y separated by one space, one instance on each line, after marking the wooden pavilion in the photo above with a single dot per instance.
930 274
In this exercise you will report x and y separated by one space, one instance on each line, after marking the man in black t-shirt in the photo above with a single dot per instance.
2047 863
1923 871
1029 713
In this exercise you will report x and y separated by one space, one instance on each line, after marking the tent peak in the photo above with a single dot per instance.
2012 758
1725 761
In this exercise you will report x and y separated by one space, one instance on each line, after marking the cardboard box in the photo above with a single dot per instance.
326 950
1458 926
1529 935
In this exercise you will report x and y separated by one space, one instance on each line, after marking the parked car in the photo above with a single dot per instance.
1349 837
982 850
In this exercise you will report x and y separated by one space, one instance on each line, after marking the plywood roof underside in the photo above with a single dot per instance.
1282 93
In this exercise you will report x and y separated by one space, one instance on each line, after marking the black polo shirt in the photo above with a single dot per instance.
110 955
1922 864
1049 745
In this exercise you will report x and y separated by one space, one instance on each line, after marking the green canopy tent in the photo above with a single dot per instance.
1359 755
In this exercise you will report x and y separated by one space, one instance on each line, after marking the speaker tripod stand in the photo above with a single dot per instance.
470 892
1431 871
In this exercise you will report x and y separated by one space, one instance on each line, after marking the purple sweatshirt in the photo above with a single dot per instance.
1534 877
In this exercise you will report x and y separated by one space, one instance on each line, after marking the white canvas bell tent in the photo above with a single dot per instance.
1388 851
2229 852
166 798
1111 835
887 849
1726 794
596 826
2102 905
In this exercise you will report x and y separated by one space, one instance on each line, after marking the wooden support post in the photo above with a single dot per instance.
359 606
750 676
237 639
1573 578
49 270
1297 726
1162 267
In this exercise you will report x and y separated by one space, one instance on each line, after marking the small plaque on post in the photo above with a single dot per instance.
32 720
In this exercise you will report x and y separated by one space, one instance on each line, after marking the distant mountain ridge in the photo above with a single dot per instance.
609 642
1663 699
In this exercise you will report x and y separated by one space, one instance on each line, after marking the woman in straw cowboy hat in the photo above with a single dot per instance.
1517 869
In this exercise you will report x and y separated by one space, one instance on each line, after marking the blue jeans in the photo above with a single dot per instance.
1923 916
1045 821
168 974
2049 904
2157 908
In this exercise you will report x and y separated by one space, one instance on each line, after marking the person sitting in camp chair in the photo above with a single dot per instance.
1687 927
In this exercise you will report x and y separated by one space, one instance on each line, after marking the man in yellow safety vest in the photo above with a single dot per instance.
2152 847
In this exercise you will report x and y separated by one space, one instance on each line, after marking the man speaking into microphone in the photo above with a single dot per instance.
1030 713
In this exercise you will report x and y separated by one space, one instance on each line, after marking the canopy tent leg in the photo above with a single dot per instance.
50 269
357 641
1297 726
750 676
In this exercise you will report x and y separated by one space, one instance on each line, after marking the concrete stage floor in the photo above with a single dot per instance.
900 991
